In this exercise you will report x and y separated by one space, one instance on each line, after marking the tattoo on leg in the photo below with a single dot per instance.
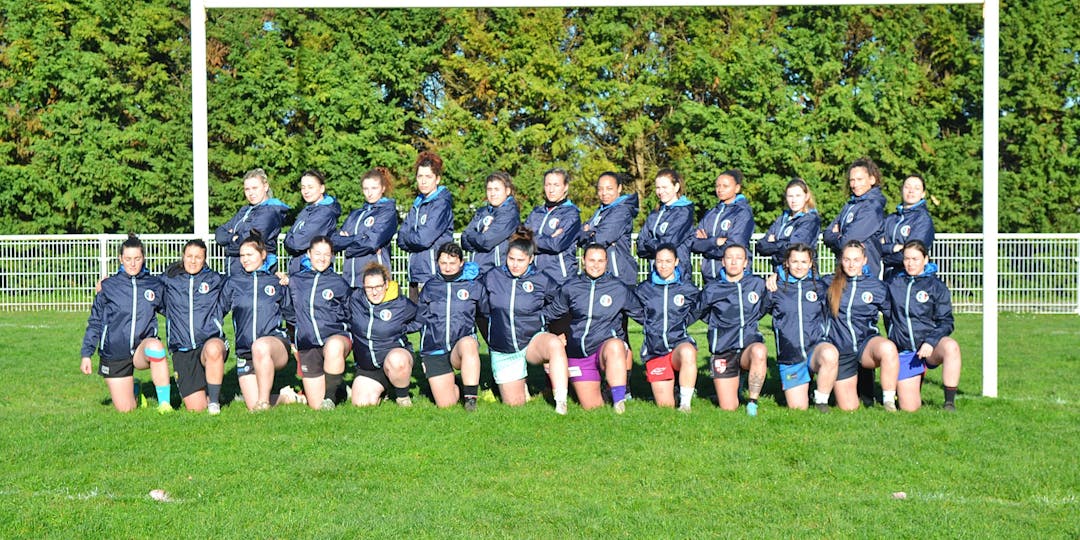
754 383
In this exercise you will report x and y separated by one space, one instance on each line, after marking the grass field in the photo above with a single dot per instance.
1004 467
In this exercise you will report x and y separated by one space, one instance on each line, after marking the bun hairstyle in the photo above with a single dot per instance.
322 239
383 175
522 240
132 241
430 160
255 238
734 173
620 178
836 288
870 166
376 269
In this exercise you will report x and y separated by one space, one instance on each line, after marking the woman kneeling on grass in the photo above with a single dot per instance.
194 317
122 329
320 298
379 320
256 297
797 305
516 294
597 303
732 305
448 307
855 298
667 303
920 322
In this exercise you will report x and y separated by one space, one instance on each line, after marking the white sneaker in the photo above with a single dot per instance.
213 409
620 407
327 405
560 407
289 394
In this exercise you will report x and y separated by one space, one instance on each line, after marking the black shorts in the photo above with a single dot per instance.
376 375
190 372
311 363
116 369
725 365
243 361
849 363
435 365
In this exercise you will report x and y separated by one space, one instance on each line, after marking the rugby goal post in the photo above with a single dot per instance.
991 35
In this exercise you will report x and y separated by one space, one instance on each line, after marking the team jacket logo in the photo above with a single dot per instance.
269 290
527 286
104 369
850 217
922 297
725 225
149 295
369 221
204 288
605 300
486 222
327 294
790 229
867 297
240 362
386 314
753 297
663 227
679 300
462 294
905 230
553 223
811 296
423 219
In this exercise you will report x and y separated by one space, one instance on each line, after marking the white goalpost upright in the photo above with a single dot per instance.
991 12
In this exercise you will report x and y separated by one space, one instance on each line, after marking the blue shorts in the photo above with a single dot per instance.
792 375
910 365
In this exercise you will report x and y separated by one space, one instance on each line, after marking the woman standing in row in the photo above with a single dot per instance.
264 213
611 226
672 222
800 223
731 221
429 223
556 225
911 221
366 234
489 231
318 218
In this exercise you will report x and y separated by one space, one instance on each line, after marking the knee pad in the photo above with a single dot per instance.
154 355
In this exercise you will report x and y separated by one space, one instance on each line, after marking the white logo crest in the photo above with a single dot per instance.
605 300
811 296
922 297
753 297
487 220
369 221
867 297
679 300
554 223
386 314
463 294
850 217
327 294
240 362
204 288
663 227
725 225
905 230
149 295
527 286
269 290
423 219
790 229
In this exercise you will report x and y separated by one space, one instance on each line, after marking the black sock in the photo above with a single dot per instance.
333 381
400 392
751 400
213 392
950 394
470 390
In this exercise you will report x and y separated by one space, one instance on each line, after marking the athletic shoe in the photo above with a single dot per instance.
751 409
213 409
404 401
140 399
620 407
164 408
288 394
470 404
560 407
327 405
261 406
950 407
684 409
890 406
822 407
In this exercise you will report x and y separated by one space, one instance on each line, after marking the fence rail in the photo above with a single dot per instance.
1038 273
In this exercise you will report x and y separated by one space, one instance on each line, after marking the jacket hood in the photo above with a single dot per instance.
929 270
746 272
657 280
921 205
681 201
874 194
420 199
530 271
787 278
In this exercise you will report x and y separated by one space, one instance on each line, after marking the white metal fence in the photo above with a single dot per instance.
1038 273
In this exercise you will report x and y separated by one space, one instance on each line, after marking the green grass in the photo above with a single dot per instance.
1001 467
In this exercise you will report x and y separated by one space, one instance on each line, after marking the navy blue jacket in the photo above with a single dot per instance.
670 224
799 316
862 219
864 297
667 308
921 310
802 228
365 237
193 311
428 225
735 222
448 310
320 304
732 311
556 255
611 226
913 223
123 314
316 219
489 232
514 307
596 307
378 328
266 217
257 301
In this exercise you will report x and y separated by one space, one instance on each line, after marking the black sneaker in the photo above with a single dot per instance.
470 404
822 407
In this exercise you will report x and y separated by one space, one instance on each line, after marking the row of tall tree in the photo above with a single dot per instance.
95 134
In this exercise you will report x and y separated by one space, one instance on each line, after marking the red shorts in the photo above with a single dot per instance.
659 369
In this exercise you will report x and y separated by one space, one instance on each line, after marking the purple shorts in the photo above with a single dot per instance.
585 369
910 365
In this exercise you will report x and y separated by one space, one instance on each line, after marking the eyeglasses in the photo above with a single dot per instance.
374 287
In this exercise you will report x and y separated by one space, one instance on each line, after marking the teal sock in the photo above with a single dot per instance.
163 393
